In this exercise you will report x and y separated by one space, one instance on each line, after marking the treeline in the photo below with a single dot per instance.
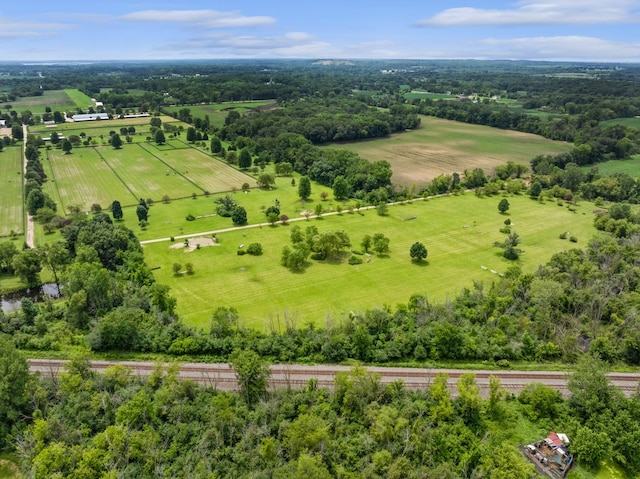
322 121
83 424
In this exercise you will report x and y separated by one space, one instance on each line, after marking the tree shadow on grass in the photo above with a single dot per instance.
422 263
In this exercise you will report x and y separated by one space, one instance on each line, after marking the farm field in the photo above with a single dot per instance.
12 218
217 112
444 146
58 100
80 100
458 231
629 167
139 170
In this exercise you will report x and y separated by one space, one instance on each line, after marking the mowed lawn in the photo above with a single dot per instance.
12 218
444 147
458 231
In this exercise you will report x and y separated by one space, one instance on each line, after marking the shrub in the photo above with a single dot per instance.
166 199
563 235
190 217
573 239
254 249
241 252
177 267
355 260
506 230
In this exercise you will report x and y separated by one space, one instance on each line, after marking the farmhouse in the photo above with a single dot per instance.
90 117
551 455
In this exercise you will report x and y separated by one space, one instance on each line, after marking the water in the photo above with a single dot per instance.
12 301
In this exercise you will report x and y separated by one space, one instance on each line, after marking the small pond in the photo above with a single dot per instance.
11 301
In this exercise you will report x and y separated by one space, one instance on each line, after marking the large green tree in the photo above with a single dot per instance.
418 251
14 379
252 373
116 141
116 210
304 188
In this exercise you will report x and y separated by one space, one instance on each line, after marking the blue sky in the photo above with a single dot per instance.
583 30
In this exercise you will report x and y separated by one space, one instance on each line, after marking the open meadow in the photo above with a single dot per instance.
12 218
458 231
629 167
57 100
445 146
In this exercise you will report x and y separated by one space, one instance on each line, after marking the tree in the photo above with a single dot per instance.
330 243
159 137
226 205
239 215
14 379
142 212
591 391
27 265
535 189
418 252
252 373
116 141
510 246
192 136
55 256
366 243
340 188
503 206
55 138
266 180
156 122
216 145
67 146
380 243
244 160
304 188
116 210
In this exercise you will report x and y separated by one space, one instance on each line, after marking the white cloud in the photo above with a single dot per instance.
541 12
202 18
15 29
558 48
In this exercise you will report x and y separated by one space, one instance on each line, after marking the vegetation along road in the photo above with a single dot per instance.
222 377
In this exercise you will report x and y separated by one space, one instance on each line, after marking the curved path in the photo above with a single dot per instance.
222 377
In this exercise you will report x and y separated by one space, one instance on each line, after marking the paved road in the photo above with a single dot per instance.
221 376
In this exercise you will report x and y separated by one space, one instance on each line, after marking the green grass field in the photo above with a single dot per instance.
628 122
58 100
629 167
80 100
444 146
417 94
217 112
458 231
138 170
12 218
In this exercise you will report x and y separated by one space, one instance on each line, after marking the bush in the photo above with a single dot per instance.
573 239
254 249
241 252
355 260
190 217
563 235
506 230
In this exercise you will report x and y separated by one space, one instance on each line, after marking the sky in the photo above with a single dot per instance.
556 30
